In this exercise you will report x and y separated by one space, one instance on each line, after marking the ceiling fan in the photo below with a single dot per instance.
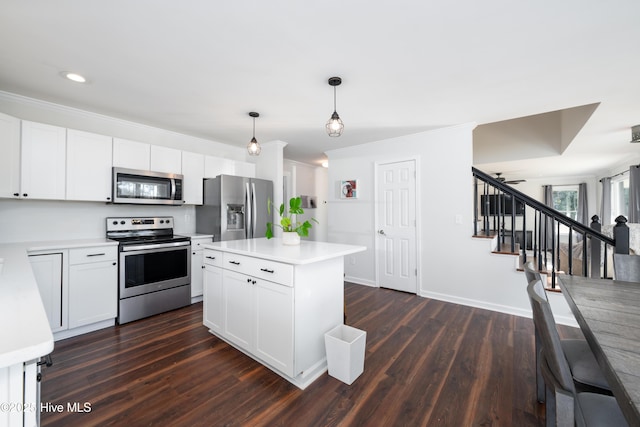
511 181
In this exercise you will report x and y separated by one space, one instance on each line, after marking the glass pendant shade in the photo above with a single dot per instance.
334 125
254 148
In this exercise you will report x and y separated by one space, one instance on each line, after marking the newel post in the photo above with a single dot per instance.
621 235
596 245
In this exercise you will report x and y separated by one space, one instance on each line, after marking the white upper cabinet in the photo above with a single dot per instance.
193 171
10 158
245 169
165 159
131 154
88 166
214 166
43 161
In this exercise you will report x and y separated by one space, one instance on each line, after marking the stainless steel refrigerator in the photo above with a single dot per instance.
234 207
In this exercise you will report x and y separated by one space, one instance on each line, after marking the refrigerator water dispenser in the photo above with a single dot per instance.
235 217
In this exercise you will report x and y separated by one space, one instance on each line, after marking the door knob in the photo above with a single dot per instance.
381 232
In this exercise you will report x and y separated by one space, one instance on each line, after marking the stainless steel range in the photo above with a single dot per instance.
154 266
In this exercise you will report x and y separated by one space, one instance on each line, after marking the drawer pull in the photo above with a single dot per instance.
102 254
210 257
234 262
266 270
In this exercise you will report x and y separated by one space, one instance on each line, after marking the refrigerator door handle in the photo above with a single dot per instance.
247 212
254 210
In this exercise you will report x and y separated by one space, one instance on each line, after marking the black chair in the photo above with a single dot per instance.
584 367
566 406
626 267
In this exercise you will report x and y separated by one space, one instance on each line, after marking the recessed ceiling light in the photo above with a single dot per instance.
74 77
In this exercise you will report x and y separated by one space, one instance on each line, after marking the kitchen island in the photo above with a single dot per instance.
275 302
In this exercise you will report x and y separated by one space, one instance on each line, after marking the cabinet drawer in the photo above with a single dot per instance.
269 270
212 257
93 254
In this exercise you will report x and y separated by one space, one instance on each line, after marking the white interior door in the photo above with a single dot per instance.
396 233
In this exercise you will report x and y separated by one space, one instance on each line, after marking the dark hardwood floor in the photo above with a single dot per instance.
427 363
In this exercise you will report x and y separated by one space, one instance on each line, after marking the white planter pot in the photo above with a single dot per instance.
290 238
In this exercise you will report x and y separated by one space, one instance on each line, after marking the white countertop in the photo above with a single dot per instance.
25 333
272 249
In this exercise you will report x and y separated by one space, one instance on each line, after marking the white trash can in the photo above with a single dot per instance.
345 348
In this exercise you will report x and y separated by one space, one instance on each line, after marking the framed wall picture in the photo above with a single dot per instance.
349 189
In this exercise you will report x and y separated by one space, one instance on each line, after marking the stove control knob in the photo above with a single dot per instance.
122 222
115 222
162 221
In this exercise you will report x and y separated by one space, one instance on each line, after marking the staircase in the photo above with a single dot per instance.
522 227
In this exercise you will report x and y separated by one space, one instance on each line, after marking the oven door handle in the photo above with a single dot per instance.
154 246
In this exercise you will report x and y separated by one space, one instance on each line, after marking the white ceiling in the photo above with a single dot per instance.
200 66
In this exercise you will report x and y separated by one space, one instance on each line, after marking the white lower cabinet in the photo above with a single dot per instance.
258 317
197 265
273 323
93 290
19 393
47 269
274 311
238 308
212 300
254 314
78 287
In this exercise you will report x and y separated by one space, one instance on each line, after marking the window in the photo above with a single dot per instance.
619 197
565 200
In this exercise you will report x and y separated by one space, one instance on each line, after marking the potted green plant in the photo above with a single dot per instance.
292 229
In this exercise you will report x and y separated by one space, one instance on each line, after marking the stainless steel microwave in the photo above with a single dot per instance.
146 187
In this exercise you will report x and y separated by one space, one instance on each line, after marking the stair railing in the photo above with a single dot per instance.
496 202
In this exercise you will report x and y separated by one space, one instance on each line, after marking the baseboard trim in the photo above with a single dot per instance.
563 320
360 281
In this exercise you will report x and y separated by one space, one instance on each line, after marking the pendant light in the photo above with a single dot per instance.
334 125
254 148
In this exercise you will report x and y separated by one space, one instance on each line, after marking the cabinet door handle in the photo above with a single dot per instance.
211 257
16 194
234 262
266 270
102 254
115 263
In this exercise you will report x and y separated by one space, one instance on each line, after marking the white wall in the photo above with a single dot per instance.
453 266
44 220
310 180
444 183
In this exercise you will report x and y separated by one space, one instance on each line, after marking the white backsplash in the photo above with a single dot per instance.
42 220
